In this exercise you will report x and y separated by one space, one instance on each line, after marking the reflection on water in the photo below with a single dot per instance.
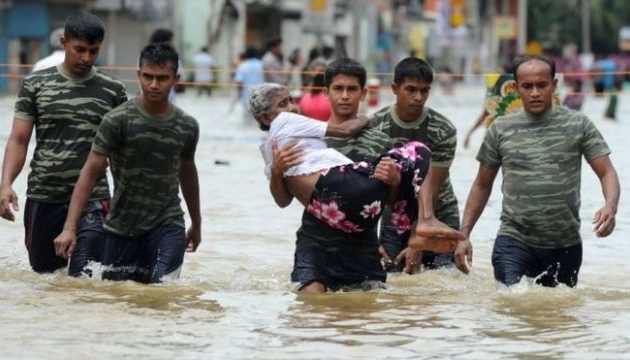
234 298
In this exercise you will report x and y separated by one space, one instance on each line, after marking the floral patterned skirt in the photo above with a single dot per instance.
349 199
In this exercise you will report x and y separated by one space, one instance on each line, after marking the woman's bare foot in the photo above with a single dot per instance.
434 236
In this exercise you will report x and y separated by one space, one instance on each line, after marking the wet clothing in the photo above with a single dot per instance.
541 160
512 259
287 128
44 221
145 153
66 112
355 256
333 257
146 258
440 135
337 244
350 199
338 259
346 195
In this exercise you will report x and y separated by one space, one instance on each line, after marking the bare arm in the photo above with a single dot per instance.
347 129
94 166
189 183
476 125
283 159
477 200
428 198
14 157
604 218
478 197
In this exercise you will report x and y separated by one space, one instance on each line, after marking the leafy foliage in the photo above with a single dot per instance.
557 22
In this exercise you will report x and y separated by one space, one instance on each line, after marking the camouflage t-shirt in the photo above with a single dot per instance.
541 159
145 153
440 135
367 146
65 111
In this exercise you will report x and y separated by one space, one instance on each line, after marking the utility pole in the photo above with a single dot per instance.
522 26
586 27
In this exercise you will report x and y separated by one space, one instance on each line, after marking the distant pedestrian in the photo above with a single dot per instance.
204 67
273 63
314 103
249 73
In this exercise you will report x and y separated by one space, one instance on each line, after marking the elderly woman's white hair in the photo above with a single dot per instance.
261 98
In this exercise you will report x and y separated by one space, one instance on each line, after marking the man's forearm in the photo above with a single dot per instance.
475 204
80 196
610 188
279 191
14 158
189 182
428 199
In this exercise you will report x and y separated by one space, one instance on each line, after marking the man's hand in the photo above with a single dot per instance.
604 221
388 172
285 157
463 256
8 203
433 235
412 259
65 243
193 238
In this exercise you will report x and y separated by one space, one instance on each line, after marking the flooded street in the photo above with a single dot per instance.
234 297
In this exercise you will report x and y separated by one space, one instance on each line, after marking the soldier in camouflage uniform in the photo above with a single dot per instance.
65 105
540 152
326 258
150 145
409 119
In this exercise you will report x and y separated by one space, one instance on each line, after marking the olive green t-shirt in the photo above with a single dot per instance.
66 112
541 160
440 135
145 153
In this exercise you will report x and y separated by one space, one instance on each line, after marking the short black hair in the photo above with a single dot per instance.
159 54
161 36
413 68
84 26
345 66
273 42
521 59
327 51
250 53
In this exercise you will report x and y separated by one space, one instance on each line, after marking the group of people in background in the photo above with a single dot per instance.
353 175
305 78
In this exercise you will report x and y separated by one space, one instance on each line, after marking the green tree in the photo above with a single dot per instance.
557 22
